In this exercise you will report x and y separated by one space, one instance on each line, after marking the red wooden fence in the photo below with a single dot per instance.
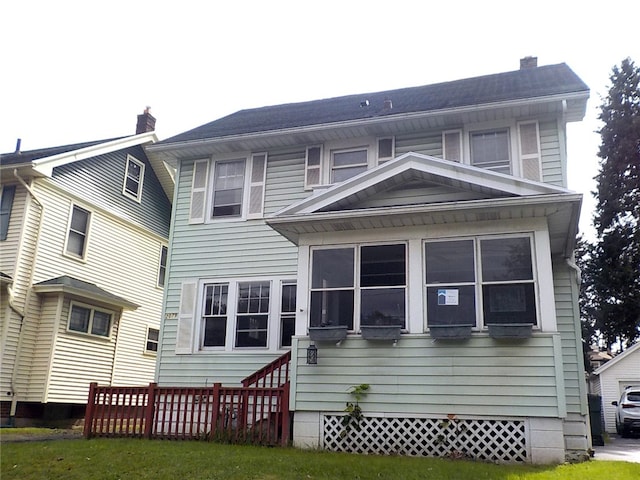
257 412
257 415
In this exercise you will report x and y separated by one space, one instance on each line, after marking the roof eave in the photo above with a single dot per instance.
45 166
79 292
290 225
177 147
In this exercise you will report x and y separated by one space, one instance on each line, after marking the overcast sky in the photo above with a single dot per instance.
74 71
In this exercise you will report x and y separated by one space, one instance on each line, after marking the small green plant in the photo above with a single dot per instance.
452 430
353 410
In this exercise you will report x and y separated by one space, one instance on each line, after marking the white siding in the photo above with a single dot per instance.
623 373
122 260
79 360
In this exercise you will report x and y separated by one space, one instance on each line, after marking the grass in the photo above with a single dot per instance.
125 459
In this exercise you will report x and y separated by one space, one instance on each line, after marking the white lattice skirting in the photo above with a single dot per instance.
491 440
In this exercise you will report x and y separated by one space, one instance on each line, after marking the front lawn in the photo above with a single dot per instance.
171 460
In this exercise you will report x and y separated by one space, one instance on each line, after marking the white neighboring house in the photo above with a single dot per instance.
84 237
612 378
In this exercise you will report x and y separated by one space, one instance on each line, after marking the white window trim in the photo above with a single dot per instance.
93 309
146 341
125 192
166 266
479 323
379 159
290 281
370 144
514 142
416 236
209 218
273 322
65 251
357 288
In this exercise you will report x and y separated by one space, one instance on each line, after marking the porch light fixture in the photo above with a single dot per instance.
312 354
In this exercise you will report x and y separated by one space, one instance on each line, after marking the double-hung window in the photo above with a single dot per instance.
214 314
153 335
238 314
89 320
162 267
133 178
78 232
252 314
287 313
491 150
228 188
487 278
367 283
347 163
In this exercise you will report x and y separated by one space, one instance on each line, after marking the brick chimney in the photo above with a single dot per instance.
528 62
146 122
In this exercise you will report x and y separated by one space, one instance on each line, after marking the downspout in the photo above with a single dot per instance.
22 314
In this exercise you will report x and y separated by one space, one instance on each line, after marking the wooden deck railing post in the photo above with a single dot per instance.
150 410
90 410
216 414
286 417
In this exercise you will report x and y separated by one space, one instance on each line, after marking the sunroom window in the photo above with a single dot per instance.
490 278
367 283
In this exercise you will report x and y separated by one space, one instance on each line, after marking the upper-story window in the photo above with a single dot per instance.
491 150
78 232
511 149
347 163
151 344
162 267
231 188
228 188
338 161
133 178
7 192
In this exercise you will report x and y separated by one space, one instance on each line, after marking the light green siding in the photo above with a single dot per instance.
568 325
418 376
552 169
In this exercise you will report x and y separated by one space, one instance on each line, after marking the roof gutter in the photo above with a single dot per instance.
176 147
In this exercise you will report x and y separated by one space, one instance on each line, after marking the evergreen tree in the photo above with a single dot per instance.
611 302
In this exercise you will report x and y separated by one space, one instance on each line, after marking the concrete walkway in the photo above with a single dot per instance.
618 448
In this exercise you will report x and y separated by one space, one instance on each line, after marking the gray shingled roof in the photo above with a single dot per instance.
18 158
526 83
81 287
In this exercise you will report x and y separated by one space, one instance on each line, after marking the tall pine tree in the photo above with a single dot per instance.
612 264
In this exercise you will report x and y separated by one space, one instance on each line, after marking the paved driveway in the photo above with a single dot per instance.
618 448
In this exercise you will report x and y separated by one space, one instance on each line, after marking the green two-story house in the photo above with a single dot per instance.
417 240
